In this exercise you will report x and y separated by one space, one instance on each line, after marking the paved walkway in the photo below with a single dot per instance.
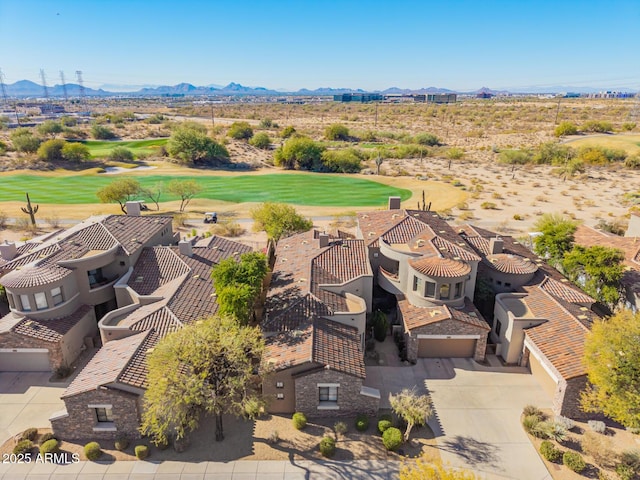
263 470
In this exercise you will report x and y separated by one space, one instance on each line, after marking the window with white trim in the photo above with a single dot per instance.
104 415
41 301
280 396
56 295
328 394
24 301
279 384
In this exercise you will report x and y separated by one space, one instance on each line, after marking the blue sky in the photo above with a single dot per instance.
294 44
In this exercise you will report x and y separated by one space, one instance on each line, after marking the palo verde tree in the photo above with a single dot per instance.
204 368
189 144
557 237
121 191
185 189
299 153
154 193
612 358
240 131
238 284
598 270
279 220
413 408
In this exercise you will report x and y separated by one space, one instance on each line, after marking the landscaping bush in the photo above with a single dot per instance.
92 451
327 446
22 447
100 132
362 423
299 420
336 132
121 443
573 461
392 438
384 425
564 422
261 140
531 410
597 426
274 437
240 131
631 458
141 451
29 434
46 437
426 139
549 451
121 154
340 428
50 446
287 131
530 422
565 128
625 472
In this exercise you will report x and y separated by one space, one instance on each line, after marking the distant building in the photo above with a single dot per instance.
358 97
484 95
49 108
436 98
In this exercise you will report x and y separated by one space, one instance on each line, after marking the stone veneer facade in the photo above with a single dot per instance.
350 399
80 420
13 340
446 327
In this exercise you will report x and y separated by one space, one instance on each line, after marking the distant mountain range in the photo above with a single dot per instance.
27 88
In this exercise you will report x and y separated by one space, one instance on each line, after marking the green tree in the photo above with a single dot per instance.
612 358
414 409
552 153
100 132
336 131
564 129
204 368
24 141
190 144
75 152
279 220
185 189
121 191
121 154
597 269
240 131
557 236
299 153
261 140
50 128
239 283
51 150
342 161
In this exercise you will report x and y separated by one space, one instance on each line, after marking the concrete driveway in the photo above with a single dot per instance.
27 399
477 413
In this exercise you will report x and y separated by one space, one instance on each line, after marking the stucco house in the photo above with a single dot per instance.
58 289
320 292
540 320
168 287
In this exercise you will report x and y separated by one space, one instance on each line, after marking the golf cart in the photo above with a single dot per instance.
210 217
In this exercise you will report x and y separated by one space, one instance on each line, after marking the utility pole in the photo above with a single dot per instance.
557 111
64 87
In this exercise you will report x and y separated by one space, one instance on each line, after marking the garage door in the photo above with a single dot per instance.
446 348
24 360
545 380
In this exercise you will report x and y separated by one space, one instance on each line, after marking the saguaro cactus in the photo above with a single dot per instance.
31 211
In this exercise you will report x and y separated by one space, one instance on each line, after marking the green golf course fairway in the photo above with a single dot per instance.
102 148
312 189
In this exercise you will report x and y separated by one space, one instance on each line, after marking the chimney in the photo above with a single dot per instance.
496 244
185 248
8 250
394 203
133 209
324 240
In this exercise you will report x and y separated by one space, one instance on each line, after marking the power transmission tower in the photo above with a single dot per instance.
64 87
81 86
6 98
44 85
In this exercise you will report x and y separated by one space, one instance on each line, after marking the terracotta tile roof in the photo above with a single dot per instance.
563 290
342 262
510 263
321 341
135 372
561 338
156 267
460 250
134 231
374 224
50 330
162 321
440 267
107 364
404 230
297 314
31 257
34 275
415 317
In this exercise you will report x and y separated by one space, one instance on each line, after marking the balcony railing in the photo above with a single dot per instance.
389 275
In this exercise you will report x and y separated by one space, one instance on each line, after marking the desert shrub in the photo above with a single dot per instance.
180 220
327 446
51 150
597 426
92 451
50 446
342 161
362 423
299 420
336 131
299 153
530 422
260 140
141 451
426 139
517 216
632 459
573 461
100 132
240 131
22 447
384 425
552 153
628 126
46 437
488 206
274 437
287 131
625 472
24 140
565 422
455 153
121 154
515 157
121 443
62 371
632 162
549 451
75 152
392 438
29 434
268 123
597 126
340 428
598 447
565 128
